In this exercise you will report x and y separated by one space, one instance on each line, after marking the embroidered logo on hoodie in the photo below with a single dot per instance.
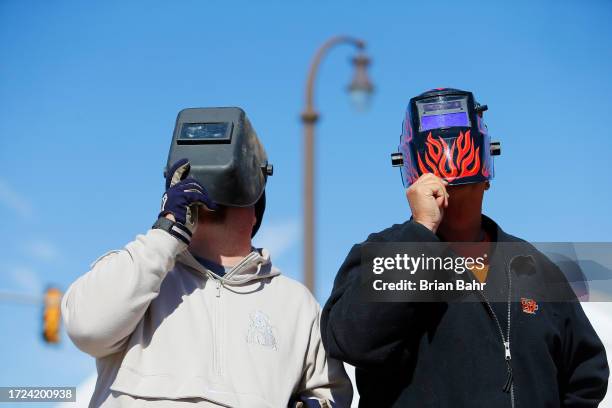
261 331
529 306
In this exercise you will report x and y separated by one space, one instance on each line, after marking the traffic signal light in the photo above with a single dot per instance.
52 315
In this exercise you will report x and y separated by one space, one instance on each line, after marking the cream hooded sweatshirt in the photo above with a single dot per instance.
165 331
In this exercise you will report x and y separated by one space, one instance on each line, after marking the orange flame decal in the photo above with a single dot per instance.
485 171
458 160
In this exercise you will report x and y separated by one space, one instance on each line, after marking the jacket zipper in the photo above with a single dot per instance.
218 339
509 384
219 322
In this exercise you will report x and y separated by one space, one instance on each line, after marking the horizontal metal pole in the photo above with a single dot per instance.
22 298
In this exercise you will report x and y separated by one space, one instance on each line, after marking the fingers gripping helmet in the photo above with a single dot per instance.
443 133
226 156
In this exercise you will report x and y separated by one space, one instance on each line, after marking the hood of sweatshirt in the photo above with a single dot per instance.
255 266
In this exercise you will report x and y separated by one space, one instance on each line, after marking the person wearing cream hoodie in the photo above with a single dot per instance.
190 314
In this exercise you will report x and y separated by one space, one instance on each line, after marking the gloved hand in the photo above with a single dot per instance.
183 196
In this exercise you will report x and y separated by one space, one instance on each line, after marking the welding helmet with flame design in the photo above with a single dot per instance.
443 133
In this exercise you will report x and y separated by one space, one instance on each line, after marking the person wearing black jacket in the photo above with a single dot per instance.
530 346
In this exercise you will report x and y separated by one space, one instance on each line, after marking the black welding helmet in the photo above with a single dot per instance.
443 133
225 154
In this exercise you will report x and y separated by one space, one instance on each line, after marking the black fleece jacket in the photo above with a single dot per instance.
451 354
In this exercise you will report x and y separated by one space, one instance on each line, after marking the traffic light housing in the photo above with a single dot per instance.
52 315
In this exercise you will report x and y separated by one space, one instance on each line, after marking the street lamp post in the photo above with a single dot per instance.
360 89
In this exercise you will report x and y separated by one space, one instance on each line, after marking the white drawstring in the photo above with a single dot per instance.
226 279
247 261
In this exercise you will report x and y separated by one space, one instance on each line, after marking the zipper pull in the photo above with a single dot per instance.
510 378
218 288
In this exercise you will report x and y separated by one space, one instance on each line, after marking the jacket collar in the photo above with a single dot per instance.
256 265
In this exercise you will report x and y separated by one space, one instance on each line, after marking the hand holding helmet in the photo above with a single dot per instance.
428 197
225 155
182 198
444 142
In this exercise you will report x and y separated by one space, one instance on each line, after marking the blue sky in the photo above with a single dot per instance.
89 93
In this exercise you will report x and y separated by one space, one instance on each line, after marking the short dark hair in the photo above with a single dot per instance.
216 217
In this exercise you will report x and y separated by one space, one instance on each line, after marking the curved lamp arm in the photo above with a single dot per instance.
309 114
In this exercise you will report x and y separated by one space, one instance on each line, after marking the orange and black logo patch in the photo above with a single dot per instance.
529 306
